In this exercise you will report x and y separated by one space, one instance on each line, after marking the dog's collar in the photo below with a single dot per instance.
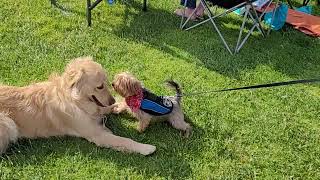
95 100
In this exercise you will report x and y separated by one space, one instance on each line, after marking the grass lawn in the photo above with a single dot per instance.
263 134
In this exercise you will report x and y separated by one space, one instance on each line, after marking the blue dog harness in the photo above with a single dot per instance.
155 105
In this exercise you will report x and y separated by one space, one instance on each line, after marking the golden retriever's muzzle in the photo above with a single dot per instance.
98 103
112 101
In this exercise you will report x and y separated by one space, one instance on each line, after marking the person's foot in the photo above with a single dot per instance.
199 11
186 13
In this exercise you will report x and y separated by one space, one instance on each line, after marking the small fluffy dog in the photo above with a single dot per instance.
70 104
146 106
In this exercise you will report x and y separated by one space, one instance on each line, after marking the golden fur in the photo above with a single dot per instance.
70 104
125 84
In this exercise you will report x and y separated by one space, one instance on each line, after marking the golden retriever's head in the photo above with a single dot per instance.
88 82
126 84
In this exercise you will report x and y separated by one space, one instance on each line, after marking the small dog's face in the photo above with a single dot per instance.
126 84
88 82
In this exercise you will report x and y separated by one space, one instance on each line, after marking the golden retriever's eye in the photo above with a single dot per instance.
100 87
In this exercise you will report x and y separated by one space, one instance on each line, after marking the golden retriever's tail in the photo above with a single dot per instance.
8 132
176 86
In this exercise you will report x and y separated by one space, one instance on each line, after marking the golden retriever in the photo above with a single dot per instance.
71 104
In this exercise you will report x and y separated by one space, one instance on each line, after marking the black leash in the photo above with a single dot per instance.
285 83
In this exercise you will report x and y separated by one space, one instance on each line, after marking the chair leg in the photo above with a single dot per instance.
53 2
206 7
89 12
241 41
290 4
182 17
245 38
273 15
255 23
144 8
257 20
89 9
182 23
242 27
306 2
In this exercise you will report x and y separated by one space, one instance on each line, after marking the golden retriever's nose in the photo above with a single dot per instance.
112 101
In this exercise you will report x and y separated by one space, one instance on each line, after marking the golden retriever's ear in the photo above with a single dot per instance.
74 77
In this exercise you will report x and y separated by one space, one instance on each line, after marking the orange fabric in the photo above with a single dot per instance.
305 23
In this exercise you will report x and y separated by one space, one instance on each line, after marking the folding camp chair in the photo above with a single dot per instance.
230 6
91 6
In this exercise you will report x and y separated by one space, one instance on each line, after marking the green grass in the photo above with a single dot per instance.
264 134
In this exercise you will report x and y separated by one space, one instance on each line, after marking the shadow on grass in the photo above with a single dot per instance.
65 9
289 51
170 159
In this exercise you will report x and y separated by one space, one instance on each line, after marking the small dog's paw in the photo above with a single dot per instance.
148 149
187 133
140 130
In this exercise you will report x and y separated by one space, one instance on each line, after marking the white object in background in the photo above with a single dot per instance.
260 3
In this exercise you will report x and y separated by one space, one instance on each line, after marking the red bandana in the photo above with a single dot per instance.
134 102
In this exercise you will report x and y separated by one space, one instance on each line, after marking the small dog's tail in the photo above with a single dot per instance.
174 85
8 132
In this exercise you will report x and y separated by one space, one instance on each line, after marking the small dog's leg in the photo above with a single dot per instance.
143 124
179 123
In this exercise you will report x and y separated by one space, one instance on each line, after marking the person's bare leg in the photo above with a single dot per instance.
185 12
199 10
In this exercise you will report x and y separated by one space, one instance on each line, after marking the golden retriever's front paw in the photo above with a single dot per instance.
116 110
108 109
148 149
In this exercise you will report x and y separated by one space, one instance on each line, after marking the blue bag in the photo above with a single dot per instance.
279 18
305 9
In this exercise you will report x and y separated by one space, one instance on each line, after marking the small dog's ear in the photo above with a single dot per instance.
136 86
